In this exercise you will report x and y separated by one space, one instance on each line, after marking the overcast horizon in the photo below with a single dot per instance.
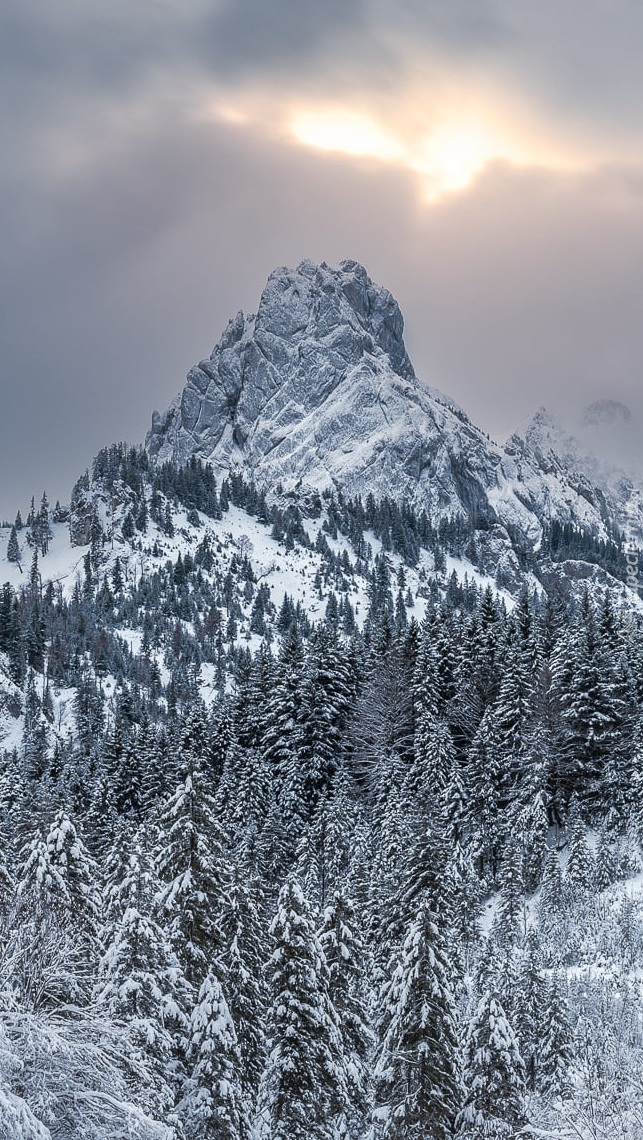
481 159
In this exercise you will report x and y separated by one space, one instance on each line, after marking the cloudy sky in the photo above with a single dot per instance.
482 158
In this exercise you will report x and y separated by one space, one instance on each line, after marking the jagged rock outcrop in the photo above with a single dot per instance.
317 390
600 456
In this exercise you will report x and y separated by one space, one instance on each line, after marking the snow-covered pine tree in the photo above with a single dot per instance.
303 1086
556 1049
13 548
426 684
551 901
606 869
194 873
579 873
389 841
509 925
418 1082
141 982
347 968
212 1107
494 1076
591 701
252 790
281 736
532 827
57 890
431 772
327 696
244 961
529 1000
341 816
482 781
7 881
512 714
251 702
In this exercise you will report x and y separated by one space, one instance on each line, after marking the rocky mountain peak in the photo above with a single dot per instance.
317 391
315 328
342 308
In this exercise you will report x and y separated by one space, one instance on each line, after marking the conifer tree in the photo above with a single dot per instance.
140 980
418 1083
59 874
303 1086
326 699
244 960
550 901
532 826
465 889
13 549
252 789
482 781
512 714
212 1104
7 882
494 1076
194 874
556 1052
591 703
390 850
606 865
335 824
579 870
282 736
510 918
530 997
345 955
252 700
432 770
426 685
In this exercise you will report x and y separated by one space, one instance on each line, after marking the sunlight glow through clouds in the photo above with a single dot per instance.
447 158
348 132
447 144
454 154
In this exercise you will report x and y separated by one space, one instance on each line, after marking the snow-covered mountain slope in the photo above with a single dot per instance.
317 389
600 453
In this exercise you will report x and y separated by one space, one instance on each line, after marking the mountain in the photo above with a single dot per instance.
318 390
272 755
600 454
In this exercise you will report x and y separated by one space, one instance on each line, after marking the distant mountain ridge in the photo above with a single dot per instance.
601 452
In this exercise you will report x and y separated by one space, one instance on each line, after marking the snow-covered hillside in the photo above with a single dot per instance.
323 711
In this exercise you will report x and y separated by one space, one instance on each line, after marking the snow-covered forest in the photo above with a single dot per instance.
353 852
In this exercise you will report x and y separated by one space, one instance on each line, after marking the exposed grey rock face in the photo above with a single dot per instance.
600 456
317 390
